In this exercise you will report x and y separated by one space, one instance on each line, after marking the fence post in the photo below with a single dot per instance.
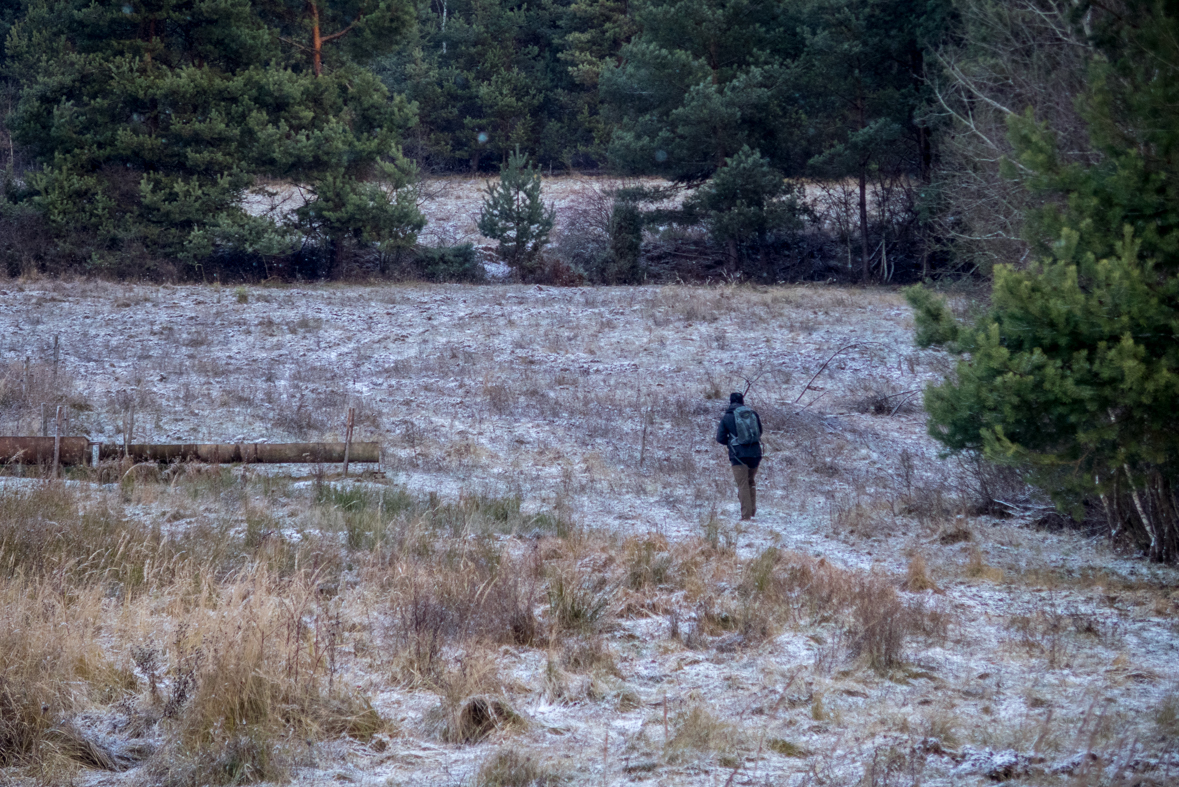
348 437
57 441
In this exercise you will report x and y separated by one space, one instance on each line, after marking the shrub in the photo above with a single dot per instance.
697 730
578 602
451 264
1074 371
881 624
626 245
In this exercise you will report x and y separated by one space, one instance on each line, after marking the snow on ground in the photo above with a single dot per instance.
1060 652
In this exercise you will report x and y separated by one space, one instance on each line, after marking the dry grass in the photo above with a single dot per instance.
697 732
509 766
30 388
260 623
578 551
882 624
53 666
977 567
917 576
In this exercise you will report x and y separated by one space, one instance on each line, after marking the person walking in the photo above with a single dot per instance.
740 430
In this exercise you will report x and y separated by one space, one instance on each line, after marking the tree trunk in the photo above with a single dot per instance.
316 42
864 223
924 143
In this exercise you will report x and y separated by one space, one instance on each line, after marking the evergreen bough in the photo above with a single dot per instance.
150 120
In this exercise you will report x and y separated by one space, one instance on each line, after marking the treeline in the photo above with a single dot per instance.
134 128
1030 143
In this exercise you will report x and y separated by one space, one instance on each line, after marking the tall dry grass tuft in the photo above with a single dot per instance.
917 577
881 623
53 665
512 767
52 529
699 732
579 601
469 593
259 659
472 704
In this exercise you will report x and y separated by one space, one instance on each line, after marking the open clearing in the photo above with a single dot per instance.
547 583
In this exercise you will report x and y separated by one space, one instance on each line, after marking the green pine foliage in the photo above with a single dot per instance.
746 203
150 119
487 77
701 80
514 214
625 264
1074 370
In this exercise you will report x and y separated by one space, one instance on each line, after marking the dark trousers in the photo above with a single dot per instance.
745 476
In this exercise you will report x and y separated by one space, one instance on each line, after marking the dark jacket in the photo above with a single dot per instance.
749 455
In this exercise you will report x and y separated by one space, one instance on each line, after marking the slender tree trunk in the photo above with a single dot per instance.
863 122
864 223
316 42
924 143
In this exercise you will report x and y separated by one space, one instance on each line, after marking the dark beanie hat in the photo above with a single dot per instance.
736 398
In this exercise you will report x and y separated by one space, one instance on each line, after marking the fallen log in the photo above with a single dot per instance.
77 451
244 453
39 450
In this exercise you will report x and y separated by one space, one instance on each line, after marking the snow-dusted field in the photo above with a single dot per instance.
1052 660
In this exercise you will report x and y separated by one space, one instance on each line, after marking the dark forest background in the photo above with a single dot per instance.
132 129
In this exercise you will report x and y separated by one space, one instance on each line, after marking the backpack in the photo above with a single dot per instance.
748 430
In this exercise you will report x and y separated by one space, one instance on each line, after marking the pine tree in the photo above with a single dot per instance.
744 203
862 66
1074 370
596 32
151 118
701 80
486 77
514 214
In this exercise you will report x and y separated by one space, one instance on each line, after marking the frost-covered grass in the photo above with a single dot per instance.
545 582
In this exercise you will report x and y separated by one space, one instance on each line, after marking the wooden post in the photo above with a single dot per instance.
348 437
128 428
57 441
44 422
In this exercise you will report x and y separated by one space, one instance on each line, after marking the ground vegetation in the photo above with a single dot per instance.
548 584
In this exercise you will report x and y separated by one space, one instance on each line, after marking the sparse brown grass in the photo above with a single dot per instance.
698 732
882 624
580 539
30 385
509 766
978 568
473 719
53 666
917 577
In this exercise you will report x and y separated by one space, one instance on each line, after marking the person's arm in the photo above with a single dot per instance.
722 432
